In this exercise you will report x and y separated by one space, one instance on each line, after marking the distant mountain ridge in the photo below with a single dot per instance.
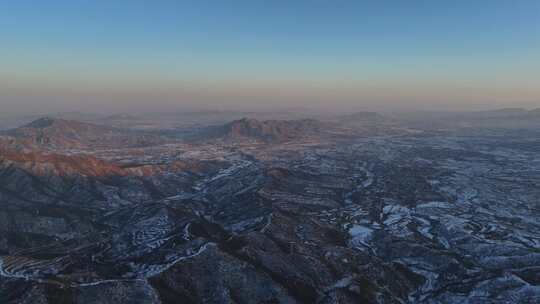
361 117
266 131
53 133
508 113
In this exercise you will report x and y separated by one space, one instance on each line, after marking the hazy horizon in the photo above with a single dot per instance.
132 57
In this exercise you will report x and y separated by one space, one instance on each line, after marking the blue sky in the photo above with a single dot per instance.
351 52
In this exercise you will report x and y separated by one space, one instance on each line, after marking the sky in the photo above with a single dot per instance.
136 55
